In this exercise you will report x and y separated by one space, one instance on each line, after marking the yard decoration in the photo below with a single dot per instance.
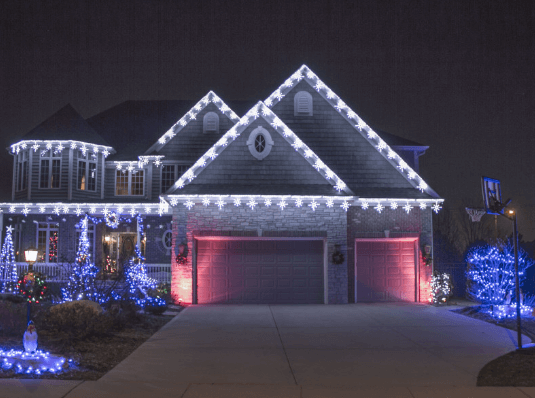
32 285
29 339
441 288
8 268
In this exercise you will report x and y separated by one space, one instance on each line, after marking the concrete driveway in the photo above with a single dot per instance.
391 350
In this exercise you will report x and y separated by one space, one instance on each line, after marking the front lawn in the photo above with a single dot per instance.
516 368
93 355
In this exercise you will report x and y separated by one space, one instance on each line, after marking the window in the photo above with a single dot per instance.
303 104
87 171
22 171
169 175
167 239
90 237
50 169
259 143
129 182
210 123
47 242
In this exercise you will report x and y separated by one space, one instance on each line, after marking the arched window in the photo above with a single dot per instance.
259 143
210 123
303 104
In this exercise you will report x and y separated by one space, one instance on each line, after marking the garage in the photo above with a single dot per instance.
260 271
386 270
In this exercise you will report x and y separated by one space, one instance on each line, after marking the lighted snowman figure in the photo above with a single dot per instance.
30 338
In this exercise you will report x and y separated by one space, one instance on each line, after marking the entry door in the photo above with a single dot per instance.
385 270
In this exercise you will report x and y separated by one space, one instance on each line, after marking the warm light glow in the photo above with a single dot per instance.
511 212
107 238
30 255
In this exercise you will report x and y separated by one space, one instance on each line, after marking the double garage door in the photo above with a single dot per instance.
260 271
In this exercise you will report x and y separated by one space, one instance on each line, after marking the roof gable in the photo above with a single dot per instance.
273 122
211 97
360 127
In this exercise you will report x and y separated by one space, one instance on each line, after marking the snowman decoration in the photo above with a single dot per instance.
30 338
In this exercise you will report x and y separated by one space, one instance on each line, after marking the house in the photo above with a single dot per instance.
296 201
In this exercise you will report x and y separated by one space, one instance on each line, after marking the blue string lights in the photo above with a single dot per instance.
491 272
8 268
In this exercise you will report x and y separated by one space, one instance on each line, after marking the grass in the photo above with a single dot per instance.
514 369
92 357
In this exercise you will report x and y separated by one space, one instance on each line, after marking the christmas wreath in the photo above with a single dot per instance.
112 220
32 286
181 259
338 257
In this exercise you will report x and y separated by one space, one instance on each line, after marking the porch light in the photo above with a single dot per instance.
30 256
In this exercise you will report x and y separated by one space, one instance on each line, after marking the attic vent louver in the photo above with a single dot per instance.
211 123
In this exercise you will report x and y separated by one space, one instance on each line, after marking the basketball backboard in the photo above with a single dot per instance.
492 195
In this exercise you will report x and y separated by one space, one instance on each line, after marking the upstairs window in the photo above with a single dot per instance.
303 104
259 143
87 172
211 123
47 242
169 175
22 170
129 182
50 169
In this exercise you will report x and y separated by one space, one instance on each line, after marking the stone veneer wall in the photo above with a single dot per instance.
242 221
371 224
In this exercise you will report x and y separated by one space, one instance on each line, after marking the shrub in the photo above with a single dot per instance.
78 322
12 318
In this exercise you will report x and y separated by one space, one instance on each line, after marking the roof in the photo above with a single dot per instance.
134 126
65 124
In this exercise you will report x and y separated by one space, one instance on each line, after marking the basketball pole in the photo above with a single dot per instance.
517 282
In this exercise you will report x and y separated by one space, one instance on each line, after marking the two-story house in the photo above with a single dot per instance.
296 201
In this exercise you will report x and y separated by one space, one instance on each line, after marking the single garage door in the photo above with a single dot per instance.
260 271
385 270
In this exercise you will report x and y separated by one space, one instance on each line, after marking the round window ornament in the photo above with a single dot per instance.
259 143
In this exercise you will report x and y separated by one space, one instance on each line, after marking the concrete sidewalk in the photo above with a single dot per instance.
355 350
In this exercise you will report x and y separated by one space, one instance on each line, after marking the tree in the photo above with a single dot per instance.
491 272
8 268
81 285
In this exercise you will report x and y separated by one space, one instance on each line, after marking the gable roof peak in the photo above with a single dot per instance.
305 73
261 110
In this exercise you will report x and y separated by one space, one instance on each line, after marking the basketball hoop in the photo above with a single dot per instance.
475 214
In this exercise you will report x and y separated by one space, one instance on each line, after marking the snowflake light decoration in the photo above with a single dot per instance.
220 203
345 205
436 207
282 204
379 208
173 202
206 201
298 202
189 204
25 211
394 205
251 203
237 202
42 209
423 205
330 203
365 205
57 210
313 205
267 202
407 208
78 211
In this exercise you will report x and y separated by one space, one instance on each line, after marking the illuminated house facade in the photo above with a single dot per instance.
296 201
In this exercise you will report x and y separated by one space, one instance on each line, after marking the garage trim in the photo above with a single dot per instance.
197 238
415 240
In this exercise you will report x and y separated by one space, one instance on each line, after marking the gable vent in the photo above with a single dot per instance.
211 123
303 104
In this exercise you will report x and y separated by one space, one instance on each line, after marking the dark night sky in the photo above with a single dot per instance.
455 75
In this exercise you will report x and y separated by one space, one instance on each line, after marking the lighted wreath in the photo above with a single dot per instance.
32 286
112 220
